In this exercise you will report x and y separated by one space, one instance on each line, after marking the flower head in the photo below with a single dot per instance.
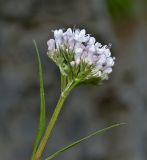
79 56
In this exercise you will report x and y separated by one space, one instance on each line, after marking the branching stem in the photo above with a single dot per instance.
53 119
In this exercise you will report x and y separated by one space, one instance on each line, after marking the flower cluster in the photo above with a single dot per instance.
81 53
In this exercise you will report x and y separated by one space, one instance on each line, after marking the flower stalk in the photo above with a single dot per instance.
63 96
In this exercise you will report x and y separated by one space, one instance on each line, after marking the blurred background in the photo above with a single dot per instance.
121 99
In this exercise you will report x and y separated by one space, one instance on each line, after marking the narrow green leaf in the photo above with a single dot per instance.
42 119
81 140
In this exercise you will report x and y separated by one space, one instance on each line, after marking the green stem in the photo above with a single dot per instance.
53 120
63 82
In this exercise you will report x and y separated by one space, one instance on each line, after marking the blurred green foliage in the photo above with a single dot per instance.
120 9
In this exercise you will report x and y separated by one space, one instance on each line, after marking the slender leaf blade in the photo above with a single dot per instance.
42 119
82 140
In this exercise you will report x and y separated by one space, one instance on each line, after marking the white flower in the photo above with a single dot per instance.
78 51
97 46
101 59
107 52
69 32
91 41
51 45
80 36
71 43
110 62
77 48
58 34
92 48
108 70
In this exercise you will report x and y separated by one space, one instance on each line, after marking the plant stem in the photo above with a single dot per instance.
63 82
53 120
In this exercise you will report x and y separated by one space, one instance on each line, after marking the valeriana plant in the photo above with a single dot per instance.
81 60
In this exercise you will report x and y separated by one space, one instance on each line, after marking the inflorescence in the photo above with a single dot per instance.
79 56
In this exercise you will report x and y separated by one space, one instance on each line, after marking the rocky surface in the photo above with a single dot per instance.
121 99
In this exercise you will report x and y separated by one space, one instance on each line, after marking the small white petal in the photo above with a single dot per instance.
98 66
91 40
77 44
69 32
110 62
92 48
107 70
95 58
59 43
100 51
98 45
82 46
77 31
67 35
65 39
58 33
78 50
107 52
87 38
80 36
71 43
101 59
82 32
51 44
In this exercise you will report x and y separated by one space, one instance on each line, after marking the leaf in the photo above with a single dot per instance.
81 140
42 119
